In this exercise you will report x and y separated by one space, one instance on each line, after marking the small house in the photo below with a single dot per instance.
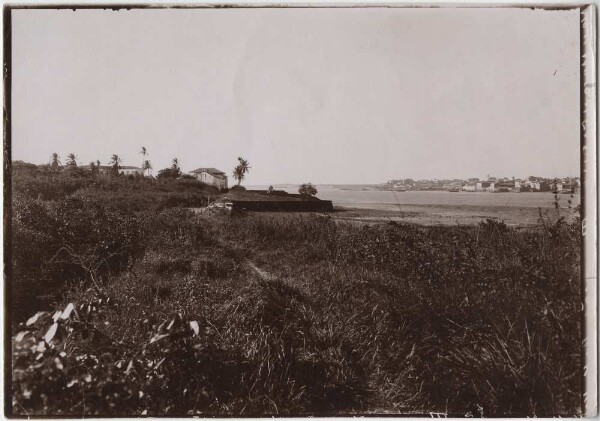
211 176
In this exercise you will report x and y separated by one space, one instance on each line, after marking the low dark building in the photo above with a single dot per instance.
282 206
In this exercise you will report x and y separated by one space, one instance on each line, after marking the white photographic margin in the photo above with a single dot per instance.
589 198
589 152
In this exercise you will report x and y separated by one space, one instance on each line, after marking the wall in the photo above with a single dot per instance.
283 206
212 180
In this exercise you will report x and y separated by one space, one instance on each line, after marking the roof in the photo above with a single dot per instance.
212 171
111 167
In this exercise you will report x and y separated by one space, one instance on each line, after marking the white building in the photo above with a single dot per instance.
211 176
129 170
485 186
110 169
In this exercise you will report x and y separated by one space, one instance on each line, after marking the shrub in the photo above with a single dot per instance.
307 189
72 240
166 173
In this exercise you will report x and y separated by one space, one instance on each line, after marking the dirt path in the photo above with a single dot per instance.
262 274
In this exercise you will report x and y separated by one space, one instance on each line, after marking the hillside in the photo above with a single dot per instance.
132 192
127 305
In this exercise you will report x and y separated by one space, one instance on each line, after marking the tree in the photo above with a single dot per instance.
175 169
72 159
240 170
94 168
115 161
307 189
144 153
168 173
55 162
147 167
173 172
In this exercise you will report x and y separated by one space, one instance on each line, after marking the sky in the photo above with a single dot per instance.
326 95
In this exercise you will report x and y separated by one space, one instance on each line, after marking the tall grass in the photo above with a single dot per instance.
397 318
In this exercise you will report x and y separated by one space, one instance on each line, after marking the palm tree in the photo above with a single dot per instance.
175 169
55 161
72 159
115 161
241 169
147 167
144 153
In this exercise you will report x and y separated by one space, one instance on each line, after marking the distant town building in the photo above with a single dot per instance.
489 184
544 186
211 176
485 186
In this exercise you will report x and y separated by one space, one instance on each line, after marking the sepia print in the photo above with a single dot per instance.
296 211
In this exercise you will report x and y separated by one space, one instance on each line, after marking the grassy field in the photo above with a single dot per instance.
160 311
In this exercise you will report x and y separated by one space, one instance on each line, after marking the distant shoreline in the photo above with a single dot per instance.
377 187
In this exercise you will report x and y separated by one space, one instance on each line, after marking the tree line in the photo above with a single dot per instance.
174 171
94 166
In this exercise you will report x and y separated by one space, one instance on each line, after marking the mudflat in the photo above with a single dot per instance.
455 214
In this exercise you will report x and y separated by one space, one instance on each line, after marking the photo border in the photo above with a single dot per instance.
588 154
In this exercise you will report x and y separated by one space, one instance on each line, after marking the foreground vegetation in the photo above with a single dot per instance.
158 311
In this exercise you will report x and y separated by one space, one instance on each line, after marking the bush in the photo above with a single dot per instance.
173 173
307 189
72 240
